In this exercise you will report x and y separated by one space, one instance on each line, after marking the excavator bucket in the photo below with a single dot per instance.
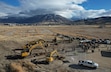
50 59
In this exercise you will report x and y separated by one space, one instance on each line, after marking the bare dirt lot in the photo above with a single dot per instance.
14 37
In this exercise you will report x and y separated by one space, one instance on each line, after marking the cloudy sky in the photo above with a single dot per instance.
66 8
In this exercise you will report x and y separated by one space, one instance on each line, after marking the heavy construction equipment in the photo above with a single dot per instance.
51 56
27 49
35 42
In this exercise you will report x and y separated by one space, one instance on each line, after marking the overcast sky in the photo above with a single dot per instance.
66 8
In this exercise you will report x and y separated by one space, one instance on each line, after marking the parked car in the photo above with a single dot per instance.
88 63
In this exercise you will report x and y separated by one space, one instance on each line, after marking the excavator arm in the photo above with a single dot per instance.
54 52
28 49
50 57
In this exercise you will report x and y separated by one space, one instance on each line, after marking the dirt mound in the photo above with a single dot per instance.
16 67
21 66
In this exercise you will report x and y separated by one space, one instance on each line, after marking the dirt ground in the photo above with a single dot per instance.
15 37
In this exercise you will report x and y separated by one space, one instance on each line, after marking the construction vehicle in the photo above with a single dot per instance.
50 57
27 49
35 42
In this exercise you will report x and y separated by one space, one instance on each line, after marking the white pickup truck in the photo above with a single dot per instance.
88 63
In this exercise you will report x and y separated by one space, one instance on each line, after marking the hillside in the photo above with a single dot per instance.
39 19
52 19
94 21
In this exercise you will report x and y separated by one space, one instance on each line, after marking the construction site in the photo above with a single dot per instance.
54 48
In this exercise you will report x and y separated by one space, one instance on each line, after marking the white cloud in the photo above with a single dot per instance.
91 13
7 9
106 13
3 14
61 7
65 13
48 4
66 8
78 1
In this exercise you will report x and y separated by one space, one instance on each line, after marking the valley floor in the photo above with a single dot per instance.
14 37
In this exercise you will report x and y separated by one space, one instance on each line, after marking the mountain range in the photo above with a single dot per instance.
52 19
94 21
39 19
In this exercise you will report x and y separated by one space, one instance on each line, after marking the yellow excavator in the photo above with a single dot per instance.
27 49
51 57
